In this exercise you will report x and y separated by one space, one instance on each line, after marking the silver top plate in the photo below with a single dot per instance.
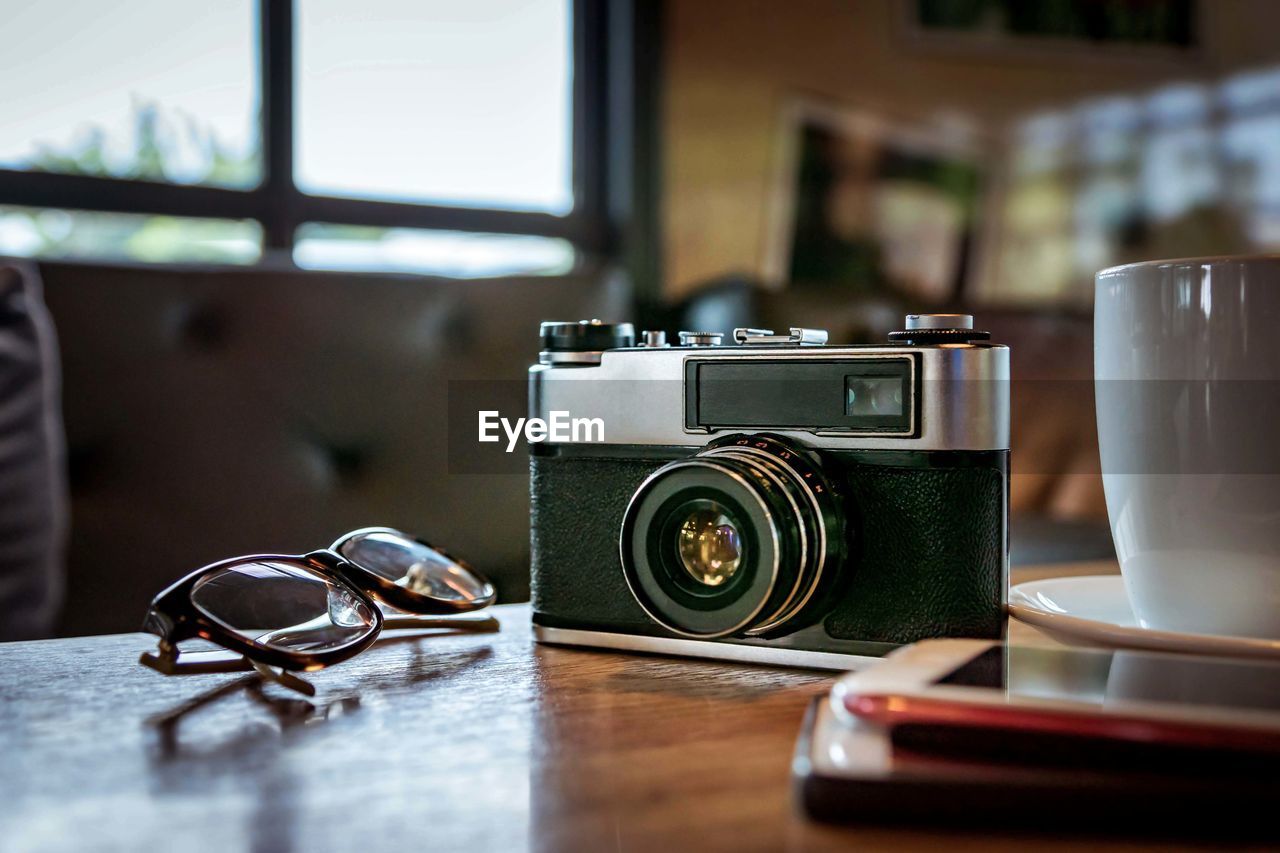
639 396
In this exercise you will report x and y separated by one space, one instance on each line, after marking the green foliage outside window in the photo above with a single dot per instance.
160 142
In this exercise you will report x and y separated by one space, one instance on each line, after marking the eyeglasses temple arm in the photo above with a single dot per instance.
481 625
166 661
285 679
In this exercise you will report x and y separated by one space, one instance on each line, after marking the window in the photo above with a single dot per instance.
167 91
404 135
452 253
84 235
436 101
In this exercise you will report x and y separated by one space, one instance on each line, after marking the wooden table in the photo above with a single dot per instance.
484 742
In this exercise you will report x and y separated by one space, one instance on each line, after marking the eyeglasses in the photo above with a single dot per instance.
307 612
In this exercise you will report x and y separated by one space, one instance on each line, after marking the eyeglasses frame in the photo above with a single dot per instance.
174 616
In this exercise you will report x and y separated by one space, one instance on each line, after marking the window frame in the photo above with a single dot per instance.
613 113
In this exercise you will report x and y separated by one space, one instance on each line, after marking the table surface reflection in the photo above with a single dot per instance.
452 742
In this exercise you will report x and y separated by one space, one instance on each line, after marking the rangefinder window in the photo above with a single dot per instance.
877 395
873 396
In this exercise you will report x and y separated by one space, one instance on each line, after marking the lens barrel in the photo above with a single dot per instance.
776 523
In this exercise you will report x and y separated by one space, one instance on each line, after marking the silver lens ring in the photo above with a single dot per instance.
766 467
810 480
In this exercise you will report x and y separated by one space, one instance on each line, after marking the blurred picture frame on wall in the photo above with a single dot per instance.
1017 29
871 205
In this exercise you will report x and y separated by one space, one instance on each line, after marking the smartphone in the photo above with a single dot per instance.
974 731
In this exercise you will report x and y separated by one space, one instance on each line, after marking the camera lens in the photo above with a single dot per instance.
734 540
710 545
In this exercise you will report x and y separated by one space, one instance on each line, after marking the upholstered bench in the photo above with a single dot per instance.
216 412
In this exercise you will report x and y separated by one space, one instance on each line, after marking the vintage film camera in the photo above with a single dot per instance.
775 500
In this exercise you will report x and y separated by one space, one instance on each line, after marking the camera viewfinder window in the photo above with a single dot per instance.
874 395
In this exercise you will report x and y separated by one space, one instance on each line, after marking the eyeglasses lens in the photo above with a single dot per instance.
284 605
414 566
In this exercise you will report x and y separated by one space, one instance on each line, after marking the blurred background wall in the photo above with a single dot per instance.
732 66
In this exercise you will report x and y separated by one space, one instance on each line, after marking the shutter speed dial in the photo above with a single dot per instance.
938 329
582 342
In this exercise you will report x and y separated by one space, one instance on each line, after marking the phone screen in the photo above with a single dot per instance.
1106 677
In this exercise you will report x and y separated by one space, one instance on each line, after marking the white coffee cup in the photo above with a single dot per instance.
1187 388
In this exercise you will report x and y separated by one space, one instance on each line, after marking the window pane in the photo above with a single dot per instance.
436 101
35 232
155 89
446 253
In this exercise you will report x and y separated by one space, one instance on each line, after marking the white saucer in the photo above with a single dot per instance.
1094 610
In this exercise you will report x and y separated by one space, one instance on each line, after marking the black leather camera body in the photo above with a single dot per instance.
777 500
